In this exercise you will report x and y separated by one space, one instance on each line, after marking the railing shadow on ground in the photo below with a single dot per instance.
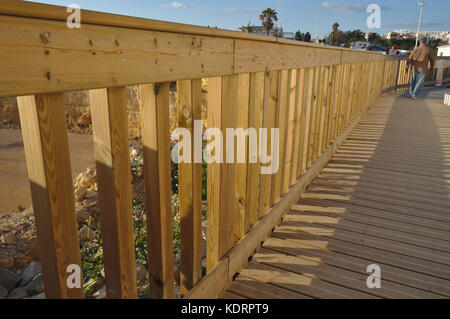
383 199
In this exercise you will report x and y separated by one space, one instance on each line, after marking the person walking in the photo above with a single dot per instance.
421 59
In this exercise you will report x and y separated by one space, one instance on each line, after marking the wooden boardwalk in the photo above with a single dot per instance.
383 199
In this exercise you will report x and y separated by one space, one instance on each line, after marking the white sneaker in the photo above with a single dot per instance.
413 97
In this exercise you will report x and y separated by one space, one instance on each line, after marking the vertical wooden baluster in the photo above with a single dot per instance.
312 119
319 112
255 120
44 131
339 100
157 176
351 91
305 124
111 148
330 107
297 128
189 109
241 168
323 109
334 104
270 110
280 121
345 93
222 114
290 125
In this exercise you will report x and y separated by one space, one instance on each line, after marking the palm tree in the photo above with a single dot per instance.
249 28
335 26
268 17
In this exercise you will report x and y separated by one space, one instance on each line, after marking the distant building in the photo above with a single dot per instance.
434 35
407 34
444 50
289 35
261 31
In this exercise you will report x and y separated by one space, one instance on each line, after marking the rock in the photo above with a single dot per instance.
8 279
18 293
100 294
91 194
140 171
7 262
134 153
22 261
85 119
31 272
3 292
36 286
86 233
8 238
80 193
33 250
38 296
203 249
141 272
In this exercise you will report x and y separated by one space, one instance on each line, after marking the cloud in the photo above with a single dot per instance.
283 3
175 5
239 10
179 5
349 7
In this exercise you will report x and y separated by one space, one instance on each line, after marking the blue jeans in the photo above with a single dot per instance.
417 80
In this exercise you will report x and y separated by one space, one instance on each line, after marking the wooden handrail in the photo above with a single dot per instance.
313 94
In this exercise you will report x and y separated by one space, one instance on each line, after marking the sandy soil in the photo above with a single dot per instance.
14 187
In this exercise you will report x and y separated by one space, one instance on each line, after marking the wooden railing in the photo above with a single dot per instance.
314 94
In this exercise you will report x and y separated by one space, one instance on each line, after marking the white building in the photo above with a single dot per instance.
289 35
444 50
431 35
261 31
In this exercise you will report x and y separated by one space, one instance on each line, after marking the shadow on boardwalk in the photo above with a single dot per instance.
383 199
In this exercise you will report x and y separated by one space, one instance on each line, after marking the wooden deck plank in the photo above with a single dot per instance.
358 264
384 198
349 279
257 290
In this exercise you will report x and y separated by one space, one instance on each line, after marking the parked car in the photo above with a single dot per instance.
376 48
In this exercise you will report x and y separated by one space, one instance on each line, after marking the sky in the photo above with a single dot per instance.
293 15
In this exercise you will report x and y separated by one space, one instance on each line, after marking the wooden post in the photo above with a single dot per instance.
306 116
241 168
280 120
189 103
297 128
157 176
44 131
111 148
270 111
397 76
290 126
222 114
255 120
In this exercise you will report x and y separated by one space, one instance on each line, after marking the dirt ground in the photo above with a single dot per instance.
14 187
